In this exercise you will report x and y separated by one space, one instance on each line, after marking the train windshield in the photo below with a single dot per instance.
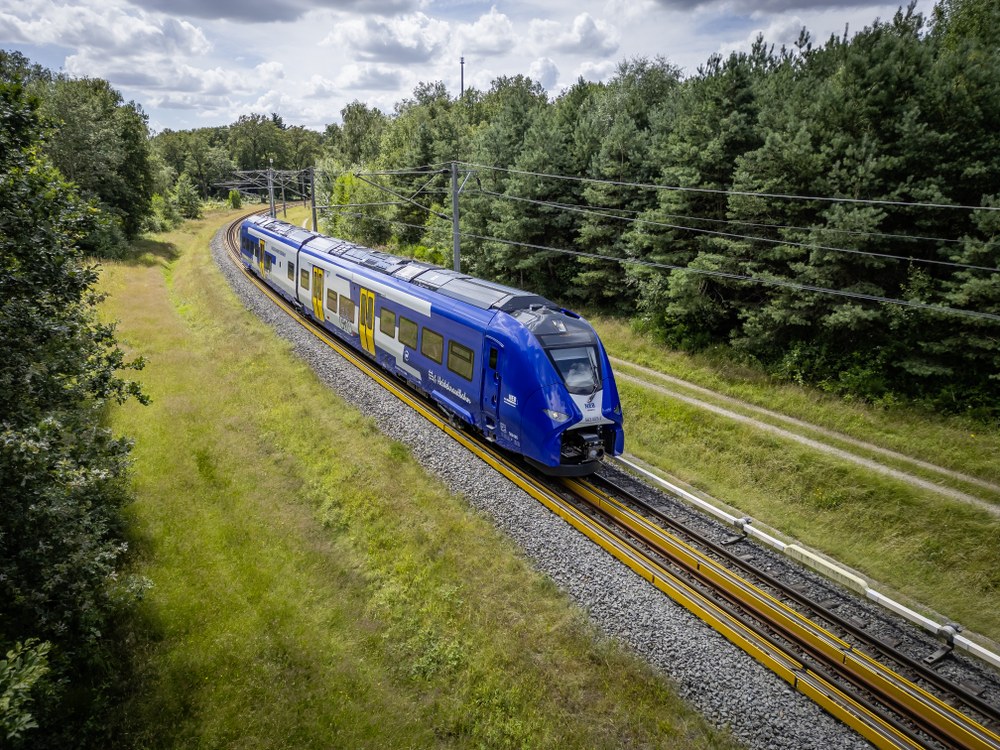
579 368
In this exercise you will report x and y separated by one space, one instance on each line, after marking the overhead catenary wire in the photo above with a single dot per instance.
705 272
383 219
407 171
740 222
720 191
375 204
733 235
744 277
403 197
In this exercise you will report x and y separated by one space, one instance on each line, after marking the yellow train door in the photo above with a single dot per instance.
317 293
261 252
366 321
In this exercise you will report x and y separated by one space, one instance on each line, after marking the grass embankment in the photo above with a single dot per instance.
312 587
936 551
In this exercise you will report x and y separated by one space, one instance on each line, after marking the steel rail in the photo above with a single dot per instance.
937 718
926 673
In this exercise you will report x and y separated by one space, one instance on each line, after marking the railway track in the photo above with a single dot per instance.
888 698
894 699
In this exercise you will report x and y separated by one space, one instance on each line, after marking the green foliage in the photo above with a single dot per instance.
61 472
185 197
874 118
23 669
369 225
100 142
255 141
355 143
164 216
235 200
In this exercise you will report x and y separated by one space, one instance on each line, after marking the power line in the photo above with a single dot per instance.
425 169
732 235
699 271
403 197
744 277
363 205
383 219
763 225
713 191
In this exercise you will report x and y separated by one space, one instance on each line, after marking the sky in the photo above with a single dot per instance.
197 63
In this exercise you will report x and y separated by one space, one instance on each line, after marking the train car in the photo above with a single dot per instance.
530 376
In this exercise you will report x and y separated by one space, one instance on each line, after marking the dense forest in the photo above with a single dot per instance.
828 212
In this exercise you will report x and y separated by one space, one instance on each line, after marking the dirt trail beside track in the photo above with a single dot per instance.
712 402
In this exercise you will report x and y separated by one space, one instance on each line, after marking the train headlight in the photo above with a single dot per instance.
556 416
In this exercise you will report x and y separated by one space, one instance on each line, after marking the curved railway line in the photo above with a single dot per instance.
892 699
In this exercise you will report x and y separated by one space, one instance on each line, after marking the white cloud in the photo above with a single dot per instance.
763 6
270 71
106 29
414 38
586 36
627 10
783 30
319 87
269 11
161 74
545 72
601 71
368 76
491 34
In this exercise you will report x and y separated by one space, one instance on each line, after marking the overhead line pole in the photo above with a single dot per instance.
270 186
312 193
456 251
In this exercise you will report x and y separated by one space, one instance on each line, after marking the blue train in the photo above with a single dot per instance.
529 375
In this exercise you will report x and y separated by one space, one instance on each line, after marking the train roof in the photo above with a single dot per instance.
480 293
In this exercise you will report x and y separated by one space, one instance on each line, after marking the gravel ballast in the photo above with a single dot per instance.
718 679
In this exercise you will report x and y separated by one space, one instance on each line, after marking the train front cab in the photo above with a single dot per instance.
578 420
528 407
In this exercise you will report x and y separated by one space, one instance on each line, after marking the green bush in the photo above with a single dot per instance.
25 666
62 474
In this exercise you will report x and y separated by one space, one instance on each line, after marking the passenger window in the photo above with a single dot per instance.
346 308
460 360
432 345
291 271
408 333
387 322
331 301
304 279
267 262
493 358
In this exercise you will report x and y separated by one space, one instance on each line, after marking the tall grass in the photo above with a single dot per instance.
312 587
